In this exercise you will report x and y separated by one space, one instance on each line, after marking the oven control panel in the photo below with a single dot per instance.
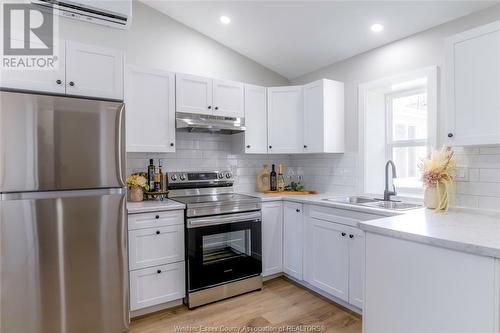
200 177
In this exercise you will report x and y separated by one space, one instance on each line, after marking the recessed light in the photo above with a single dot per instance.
377 27
224 19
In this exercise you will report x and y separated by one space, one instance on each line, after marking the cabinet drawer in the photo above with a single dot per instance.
155 246
342 216
155 219
156 285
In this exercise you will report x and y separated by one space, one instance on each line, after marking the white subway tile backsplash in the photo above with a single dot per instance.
490 175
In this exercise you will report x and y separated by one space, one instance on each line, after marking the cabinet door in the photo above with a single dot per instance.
473 83
38 80
285 119
255 119
356 266
293 231
228 99
314 117
157 285
272 238
150 99
94 71
326 263
155 246
193 94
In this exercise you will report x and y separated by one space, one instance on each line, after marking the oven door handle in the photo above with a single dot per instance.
225 219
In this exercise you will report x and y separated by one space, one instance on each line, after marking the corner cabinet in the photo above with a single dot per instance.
255 119
150 95
201 95
473 86
83 70
285 130
324 117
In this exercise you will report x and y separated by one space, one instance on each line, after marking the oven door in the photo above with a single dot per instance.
223 248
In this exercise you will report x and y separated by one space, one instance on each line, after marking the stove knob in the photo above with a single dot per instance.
183 177
221 176
173 177
228 175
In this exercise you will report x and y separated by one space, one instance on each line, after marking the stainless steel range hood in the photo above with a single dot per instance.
208 123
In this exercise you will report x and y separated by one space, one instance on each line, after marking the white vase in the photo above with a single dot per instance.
431 199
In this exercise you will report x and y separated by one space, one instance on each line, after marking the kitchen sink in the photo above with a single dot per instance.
352 200
393 205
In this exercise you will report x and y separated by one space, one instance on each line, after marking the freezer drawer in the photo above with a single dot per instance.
59 143
64 266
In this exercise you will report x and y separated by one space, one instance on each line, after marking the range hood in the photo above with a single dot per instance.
208 123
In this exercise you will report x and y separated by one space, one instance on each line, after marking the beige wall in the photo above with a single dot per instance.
157 41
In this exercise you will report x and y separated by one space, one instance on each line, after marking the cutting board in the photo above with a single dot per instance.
290 192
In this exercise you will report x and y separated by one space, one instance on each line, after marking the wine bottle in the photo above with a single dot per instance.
281 179
162 180
273 179
151 175
157 184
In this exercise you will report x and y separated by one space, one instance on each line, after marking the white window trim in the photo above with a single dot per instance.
431 74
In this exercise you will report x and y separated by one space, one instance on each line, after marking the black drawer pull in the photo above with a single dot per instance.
157 232
158 271
157 217
351 236
343 234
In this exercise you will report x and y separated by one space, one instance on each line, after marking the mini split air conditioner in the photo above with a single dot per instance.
115 14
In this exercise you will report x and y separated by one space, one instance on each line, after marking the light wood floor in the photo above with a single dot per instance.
279 304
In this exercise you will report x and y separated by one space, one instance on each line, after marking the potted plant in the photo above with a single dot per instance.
437 177
136 184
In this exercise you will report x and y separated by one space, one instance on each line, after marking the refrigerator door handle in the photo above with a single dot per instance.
120 133
60 194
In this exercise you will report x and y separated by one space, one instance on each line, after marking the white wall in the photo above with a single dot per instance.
481 188
157 41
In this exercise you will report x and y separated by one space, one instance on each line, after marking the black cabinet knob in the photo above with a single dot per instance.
157 232
248 146
158 271
305 146
157 217
450 135
343 234
216 108
71 83
209 107
171 144
270 147
58 81
351 236
297 210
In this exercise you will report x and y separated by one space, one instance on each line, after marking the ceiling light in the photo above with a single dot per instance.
377 27
225 19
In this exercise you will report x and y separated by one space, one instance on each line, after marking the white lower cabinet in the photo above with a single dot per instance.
272 238
293 233
356 267
326 253
156 258
156 285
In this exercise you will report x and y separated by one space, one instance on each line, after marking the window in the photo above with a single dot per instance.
407 136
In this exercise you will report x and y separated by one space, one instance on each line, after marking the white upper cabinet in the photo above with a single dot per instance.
324 117
327 257
255 119
473 86
193 94
293 239
94 71
285 119
228 99
272 238
150 98
53 81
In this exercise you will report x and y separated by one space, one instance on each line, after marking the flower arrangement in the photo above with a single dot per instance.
437 177
137 180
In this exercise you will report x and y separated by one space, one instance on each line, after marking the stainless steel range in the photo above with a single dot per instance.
223 236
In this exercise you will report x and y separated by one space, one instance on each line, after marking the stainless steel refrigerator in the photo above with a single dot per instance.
63 260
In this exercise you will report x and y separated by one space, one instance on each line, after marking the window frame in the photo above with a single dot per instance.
390 143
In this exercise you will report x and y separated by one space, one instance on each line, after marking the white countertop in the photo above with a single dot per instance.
153 206
466 230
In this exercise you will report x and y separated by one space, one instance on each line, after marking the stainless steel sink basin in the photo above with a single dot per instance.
393 205
352 200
